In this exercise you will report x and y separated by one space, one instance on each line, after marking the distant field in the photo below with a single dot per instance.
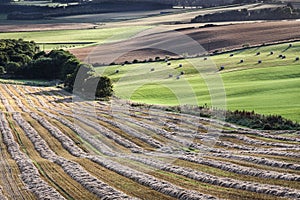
271 87
214 38
75 38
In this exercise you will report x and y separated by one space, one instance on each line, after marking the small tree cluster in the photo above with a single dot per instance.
22 59
15 53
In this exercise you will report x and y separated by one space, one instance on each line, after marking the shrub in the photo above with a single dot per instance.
126 62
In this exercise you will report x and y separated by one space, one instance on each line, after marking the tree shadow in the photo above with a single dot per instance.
286 49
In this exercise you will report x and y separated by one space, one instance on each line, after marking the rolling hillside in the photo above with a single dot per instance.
269 87
110 150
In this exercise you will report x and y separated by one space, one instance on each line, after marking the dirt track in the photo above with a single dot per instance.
211 39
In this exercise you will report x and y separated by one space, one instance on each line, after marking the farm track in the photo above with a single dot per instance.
129 145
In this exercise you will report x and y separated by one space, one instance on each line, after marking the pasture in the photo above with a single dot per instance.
269 87
67 39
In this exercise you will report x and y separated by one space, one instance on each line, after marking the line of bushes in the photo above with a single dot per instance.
279 13
248 119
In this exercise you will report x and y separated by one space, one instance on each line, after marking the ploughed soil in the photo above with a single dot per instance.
191 41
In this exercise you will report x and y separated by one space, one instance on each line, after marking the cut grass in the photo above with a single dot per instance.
50 172
271 87
184 182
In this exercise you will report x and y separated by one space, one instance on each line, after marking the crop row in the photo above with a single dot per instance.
79 174
29 172
181 134
147 180
224 182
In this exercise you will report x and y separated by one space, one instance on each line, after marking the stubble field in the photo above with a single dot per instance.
55 148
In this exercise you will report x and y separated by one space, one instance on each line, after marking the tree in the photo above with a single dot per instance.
290 5
3 58
98 86
12 67
80 74
69 67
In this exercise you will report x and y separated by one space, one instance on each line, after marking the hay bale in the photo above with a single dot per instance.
152 69
258 53
241 61
259 62
297 58
180 65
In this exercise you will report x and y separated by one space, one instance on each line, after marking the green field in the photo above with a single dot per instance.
271 87
75 38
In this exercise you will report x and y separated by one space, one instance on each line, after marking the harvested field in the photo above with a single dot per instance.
56 148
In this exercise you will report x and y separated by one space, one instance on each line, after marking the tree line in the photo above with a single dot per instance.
280 13
23 59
